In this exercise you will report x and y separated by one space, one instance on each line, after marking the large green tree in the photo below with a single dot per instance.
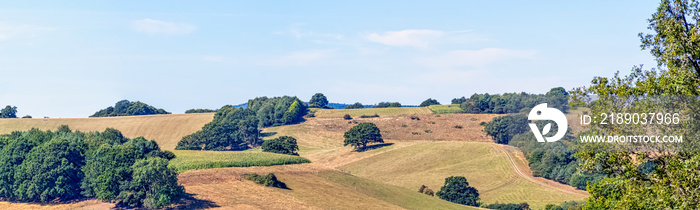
429 102
457 190
650 176
282 145
318 100
362 134
8 112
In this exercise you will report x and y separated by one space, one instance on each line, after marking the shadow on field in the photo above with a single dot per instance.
266 134
190 202
375 146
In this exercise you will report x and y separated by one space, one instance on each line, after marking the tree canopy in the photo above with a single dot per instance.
43 166
362 134
8 112
282 145
128 108
318 100
387 104
356 105
429 102
457 190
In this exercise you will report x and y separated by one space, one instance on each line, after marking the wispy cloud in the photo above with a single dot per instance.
412 37
159 27
8 30
474 58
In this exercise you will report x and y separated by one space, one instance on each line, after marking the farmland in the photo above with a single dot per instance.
444 109
190 160
338 113
385 177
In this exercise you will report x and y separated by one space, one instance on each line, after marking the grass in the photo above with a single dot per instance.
445 109
165 129
429 163
333 113
191 160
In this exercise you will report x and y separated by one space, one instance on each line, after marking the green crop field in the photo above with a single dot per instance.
332 113
444 109
190 160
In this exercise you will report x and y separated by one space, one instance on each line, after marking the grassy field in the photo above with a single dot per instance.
356 113
429 163
167 129
190 160
444 109
311 187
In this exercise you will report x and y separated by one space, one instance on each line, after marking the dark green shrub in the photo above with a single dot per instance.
269 180
457 190
282 145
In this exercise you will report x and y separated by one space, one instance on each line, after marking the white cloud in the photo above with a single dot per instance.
12 30
159 27
474 58
302 57
412 37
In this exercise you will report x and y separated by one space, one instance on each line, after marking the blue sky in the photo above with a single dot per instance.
70 60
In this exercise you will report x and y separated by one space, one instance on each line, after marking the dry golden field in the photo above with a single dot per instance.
166 129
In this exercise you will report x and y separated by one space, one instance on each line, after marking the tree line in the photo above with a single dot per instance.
238 128
42 166
512 102
128 108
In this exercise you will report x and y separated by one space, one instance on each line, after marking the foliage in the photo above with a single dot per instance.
459 100
278 110
153 184
27 116
387 104
347 117
8 112
282 145
429 102
503 128
369 116
508 206
457 190
199 111
127 108
356 105
426 190
43 166
318 100
514 103
362 134
192 160
269 180
231 129
647 176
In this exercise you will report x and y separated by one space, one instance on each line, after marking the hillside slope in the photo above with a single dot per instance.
167 130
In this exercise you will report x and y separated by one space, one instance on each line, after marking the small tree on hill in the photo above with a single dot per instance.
8 112
429 102
318 100
362 134
457 190
282 145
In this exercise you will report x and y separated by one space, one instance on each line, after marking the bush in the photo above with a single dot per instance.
429 102
199 111
428 131
318 100
269 180
127 108
282 145
426 190
458 126
369 116
357 105
457 190
362 134
27 116
387 104
310 114
508 206
414 118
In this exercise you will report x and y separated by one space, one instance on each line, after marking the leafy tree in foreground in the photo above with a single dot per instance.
282 145
8 112
429 102
457 190
362 134
318 100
